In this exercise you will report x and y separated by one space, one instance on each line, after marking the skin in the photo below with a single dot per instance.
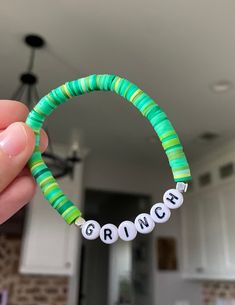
17 185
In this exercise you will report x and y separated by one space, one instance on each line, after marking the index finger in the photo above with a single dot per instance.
12 111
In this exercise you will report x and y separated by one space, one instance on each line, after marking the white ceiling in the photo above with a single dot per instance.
174 50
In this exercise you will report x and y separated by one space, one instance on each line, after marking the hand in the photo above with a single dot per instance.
17 140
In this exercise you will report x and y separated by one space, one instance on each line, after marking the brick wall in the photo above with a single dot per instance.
215 290
27 289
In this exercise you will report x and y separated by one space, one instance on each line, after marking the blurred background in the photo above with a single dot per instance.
108 158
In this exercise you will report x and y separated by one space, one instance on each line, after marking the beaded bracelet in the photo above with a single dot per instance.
144 223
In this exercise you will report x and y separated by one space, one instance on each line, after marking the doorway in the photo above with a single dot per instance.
121 273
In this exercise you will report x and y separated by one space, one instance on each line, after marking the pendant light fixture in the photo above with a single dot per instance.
27 92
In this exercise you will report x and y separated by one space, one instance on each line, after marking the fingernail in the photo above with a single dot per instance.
13 140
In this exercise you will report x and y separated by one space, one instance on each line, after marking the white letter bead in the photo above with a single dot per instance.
109 234
91 229
173 199
160 213
144 223
127 231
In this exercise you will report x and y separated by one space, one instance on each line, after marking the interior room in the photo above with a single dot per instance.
135 243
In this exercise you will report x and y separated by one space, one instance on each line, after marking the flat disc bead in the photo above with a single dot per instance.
173 199
160 213
91 230
144 223
109 234
127 231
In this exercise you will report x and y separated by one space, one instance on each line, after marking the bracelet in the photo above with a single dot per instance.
149 109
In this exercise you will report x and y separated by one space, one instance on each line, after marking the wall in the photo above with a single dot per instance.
25 289
168 287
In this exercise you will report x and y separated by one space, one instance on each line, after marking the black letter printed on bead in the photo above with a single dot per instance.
143 223
90 228
126 231
158 215
108 233
173 198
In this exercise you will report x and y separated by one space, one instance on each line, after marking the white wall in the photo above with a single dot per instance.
169 287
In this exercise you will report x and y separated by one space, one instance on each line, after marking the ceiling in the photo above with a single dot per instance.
173 50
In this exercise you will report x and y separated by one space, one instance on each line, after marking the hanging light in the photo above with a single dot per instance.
28 93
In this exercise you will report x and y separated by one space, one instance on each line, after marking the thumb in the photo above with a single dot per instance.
16 146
